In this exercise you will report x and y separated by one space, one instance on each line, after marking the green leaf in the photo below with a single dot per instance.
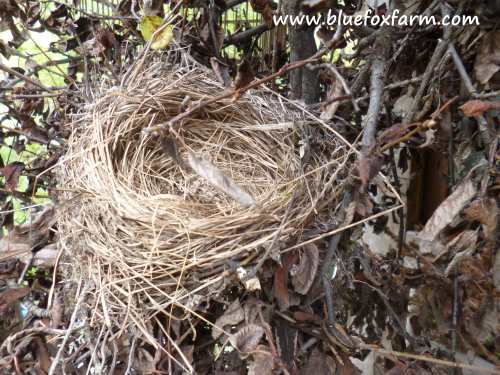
149 24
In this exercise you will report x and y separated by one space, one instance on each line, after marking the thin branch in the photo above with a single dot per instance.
346 87
235 93
247 34
438 53
326 269
461 69
424 358
483 125
55 362
276 236
376 88
25 79
391 86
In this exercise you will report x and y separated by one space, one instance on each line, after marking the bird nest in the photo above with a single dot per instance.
157 220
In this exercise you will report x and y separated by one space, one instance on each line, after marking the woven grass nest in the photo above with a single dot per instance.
154 235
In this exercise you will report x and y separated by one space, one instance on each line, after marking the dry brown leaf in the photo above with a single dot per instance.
448 210
144 362
315 5
46 257
367 365
232 316
206 36
304 274
263 362
302 316
280 288
476 107
9 296
488 57
335 90
393 133
11 172
245 74
169 147
56 311
486 212
247 338
215 177
221 72
403 105
464 248
263 7
496 272
324 33
14 246
369 166
42 355
346 367
319 364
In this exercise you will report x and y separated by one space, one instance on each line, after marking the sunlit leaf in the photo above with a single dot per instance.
148 26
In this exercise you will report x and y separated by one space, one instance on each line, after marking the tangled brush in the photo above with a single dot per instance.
155 220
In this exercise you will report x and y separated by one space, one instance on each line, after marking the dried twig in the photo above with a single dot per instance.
334 70
26 79
326 269
483 125
234 93
76 310
246 35
371 119
417 357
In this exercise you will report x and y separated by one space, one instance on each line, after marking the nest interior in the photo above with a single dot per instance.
152 233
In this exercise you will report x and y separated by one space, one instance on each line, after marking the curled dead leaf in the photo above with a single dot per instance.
10 296
320 364
263 362
280 288
12 172
304 273
232 316
264 7
247 338
486 212
369 166
476 107
448 210
244 75
330 109
430 138
251 283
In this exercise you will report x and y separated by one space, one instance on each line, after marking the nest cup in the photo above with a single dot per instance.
151 232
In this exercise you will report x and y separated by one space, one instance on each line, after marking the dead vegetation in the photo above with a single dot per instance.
318 212
158 222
